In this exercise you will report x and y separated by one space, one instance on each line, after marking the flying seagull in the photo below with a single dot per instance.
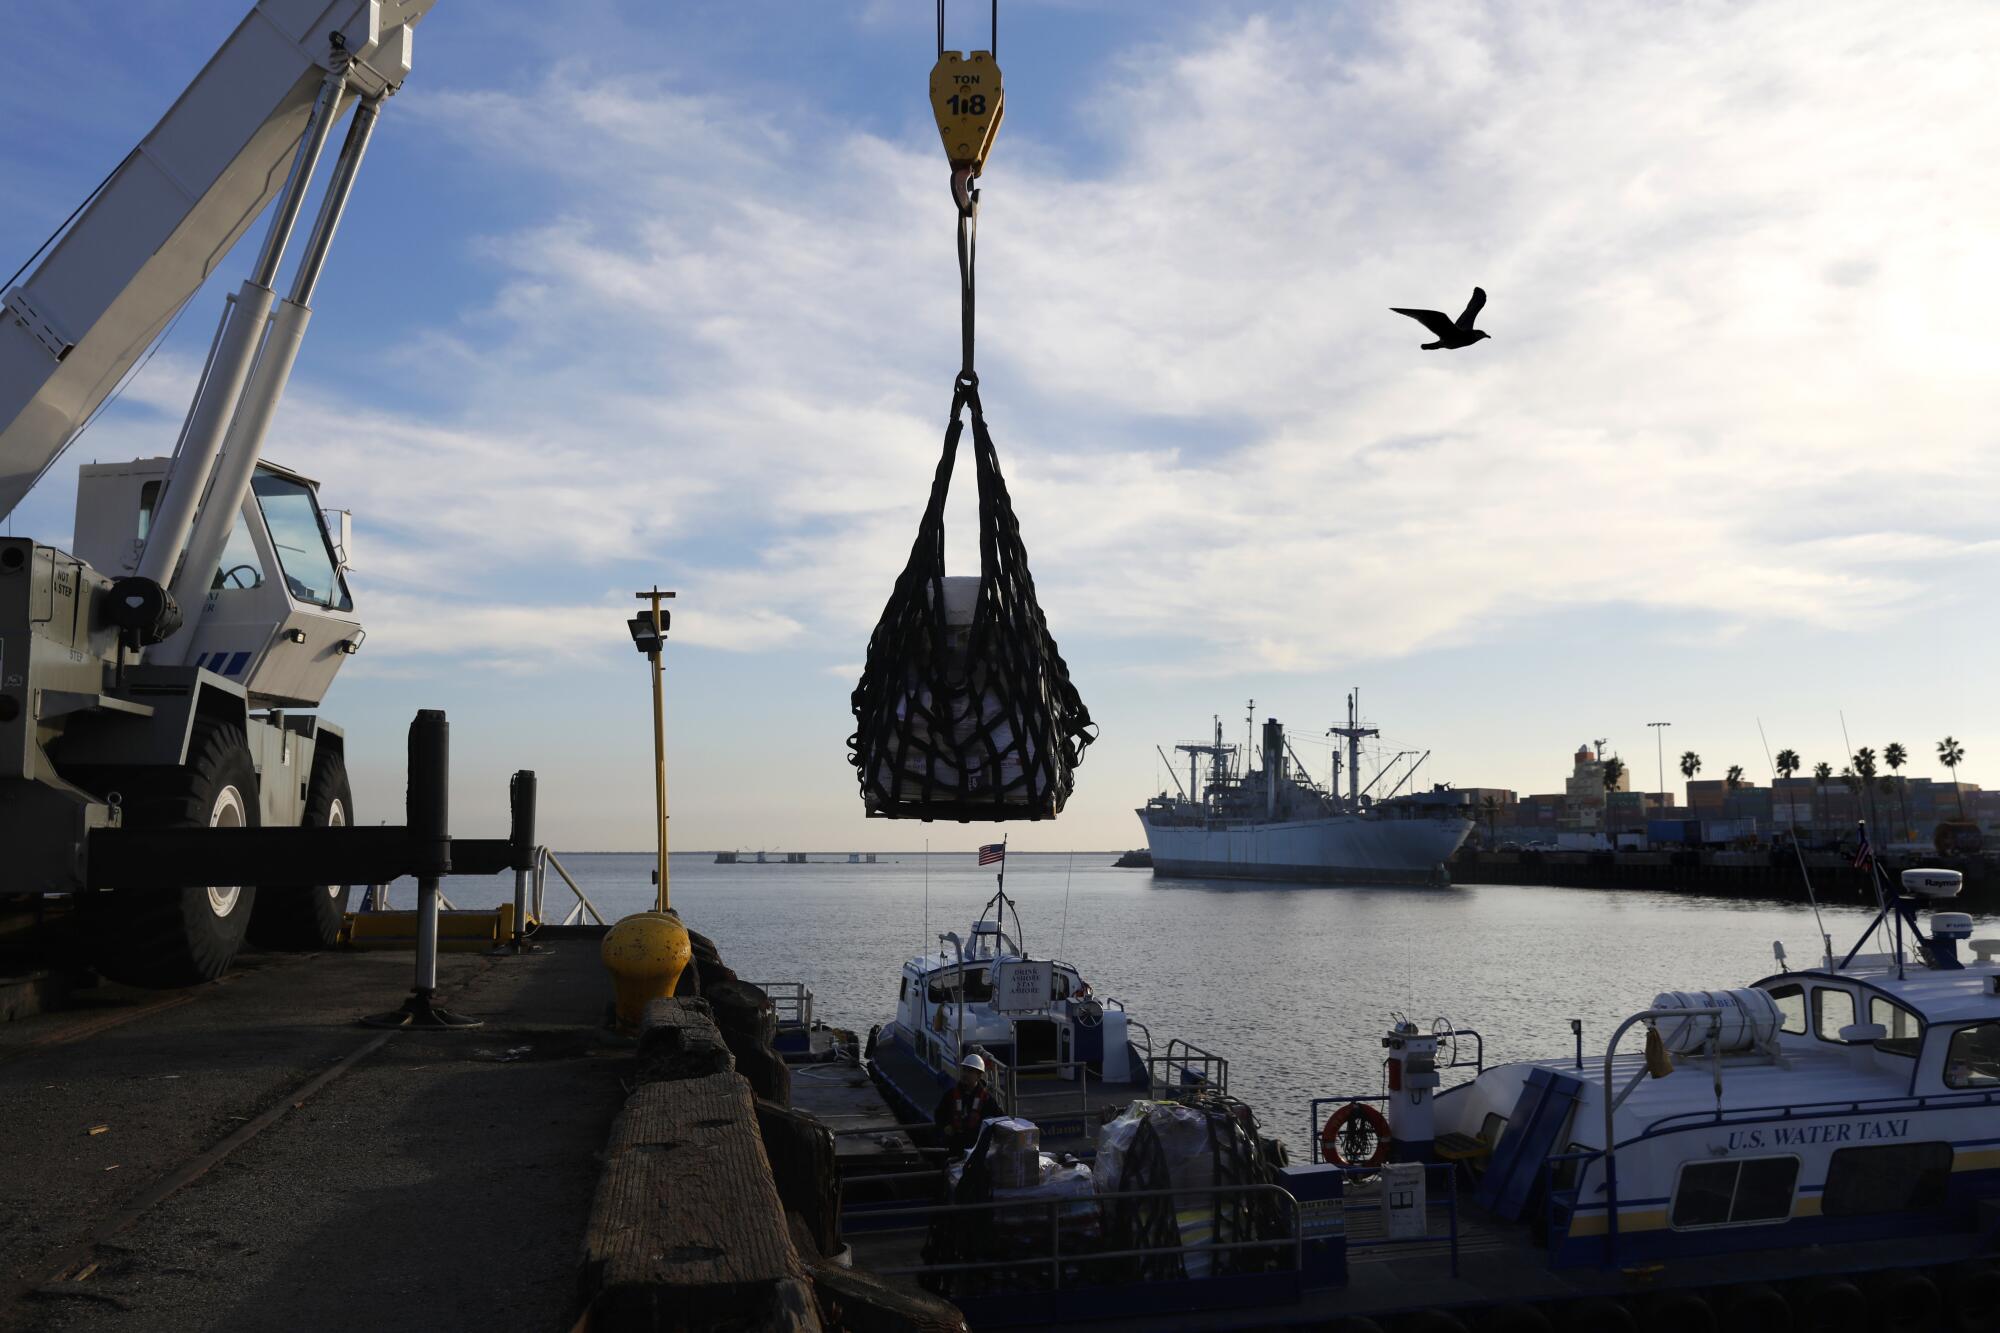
1450 334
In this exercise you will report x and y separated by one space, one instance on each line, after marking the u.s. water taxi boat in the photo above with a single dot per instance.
1811 1143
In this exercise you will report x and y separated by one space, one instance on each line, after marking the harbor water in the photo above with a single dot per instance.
1295 985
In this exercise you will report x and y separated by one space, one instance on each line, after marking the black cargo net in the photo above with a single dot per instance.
965 708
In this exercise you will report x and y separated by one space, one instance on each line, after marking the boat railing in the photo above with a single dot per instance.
1088 1209
1074 1077
1844 1106
1315 1129
1611 1103
1363 1196
1559 1201
792 999
1478 1061
1134 1025
1186 1069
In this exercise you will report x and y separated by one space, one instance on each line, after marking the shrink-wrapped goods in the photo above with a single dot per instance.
965 709
1014 1153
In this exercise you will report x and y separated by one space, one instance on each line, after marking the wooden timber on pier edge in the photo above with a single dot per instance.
719 1199
1771 874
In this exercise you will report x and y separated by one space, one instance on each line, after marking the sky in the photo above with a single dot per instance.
667 294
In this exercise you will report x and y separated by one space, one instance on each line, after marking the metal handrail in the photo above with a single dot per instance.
1082 1088
793 997
583 903
1908 1101
1056 1207
1447 1198
1714 1015
1214 1073
1571 1198
1478 1061
1312 1111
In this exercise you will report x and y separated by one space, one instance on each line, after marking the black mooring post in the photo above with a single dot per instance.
521 849
427 817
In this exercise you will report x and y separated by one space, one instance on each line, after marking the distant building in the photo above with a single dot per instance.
1584 793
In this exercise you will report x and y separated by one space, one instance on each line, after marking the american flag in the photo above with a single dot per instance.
992 853
1864 853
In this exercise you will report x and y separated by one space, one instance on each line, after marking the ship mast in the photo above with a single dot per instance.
1218 754
1354 733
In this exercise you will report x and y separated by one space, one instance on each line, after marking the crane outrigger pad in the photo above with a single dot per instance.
965 709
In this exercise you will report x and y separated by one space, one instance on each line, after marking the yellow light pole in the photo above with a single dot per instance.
653 644
647 951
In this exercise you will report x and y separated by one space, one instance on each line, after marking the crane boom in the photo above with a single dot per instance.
165 218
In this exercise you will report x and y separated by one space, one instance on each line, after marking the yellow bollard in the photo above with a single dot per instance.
645 953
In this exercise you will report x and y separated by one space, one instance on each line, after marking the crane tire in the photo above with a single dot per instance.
1975 1297
309 916
1755 1308
177 937
1830 1305
1679 1312
1906 1301
1600 1314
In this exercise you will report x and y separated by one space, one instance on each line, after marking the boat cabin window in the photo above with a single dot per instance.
1894 1178
1735 1193
1791 1002
1903 1027
903 991
978 986
1833 1009
1973 1058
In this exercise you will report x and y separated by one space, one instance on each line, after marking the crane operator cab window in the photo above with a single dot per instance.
240 567
299 534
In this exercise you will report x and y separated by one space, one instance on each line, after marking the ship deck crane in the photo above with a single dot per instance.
142 683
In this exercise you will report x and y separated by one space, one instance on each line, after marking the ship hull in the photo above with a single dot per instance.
1340 849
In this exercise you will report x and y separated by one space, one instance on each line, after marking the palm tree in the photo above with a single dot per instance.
1614 768
1734 777
1490 807
1951 754
1821 772
1895 756
1864 769
1787 763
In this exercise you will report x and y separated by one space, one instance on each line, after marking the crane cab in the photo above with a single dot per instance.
279 616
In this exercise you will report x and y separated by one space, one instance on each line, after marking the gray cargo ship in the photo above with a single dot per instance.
1275 823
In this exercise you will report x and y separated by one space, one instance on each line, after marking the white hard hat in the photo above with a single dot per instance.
974 1063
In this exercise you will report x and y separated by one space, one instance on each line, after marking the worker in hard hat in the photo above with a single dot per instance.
967 1105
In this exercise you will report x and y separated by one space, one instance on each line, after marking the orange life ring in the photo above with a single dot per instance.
1336 1124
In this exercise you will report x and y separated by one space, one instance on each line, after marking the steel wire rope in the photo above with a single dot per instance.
993 26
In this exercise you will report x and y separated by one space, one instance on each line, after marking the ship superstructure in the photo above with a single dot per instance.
1273 822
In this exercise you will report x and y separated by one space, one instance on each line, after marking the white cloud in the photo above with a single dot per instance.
1741 296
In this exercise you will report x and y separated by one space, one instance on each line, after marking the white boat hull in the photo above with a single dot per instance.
1336 849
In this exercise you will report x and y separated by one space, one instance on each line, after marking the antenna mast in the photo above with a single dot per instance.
1353 733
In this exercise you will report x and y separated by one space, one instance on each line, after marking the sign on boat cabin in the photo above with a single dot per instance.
1023 987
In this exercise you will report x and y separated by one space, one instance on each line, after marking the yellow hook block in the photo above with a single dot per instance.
969 103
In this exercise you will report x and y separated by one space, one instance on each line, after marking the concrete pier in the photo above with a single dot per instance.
244 1156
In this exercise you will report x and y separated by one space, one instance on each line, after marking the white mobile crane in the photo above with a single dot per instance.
149 678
